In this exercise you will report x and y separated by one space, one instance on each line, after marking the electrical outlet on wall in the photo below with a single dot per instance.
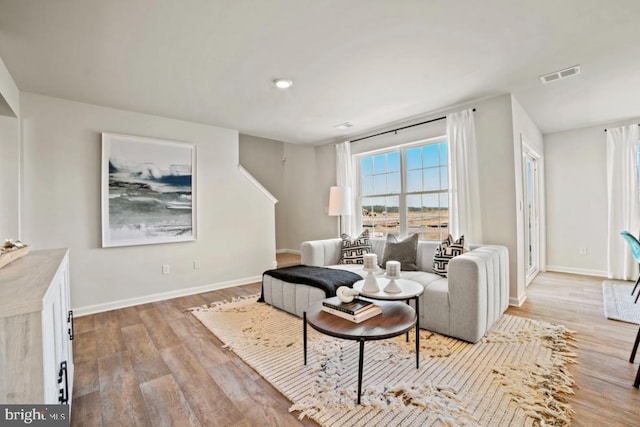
583 251
196 264
166 269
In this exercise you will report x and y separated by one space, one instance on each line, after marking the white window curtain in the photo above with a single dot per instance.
623 200
346 178
464 190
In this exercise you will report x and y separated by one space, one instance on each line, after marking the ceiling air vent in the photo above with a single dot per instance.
560 74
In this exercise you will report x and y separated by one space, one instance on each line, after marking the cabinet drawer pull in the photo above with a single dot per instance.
70 320
63 394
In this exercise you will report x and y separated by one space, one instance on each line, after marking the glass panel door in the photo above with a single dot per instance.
531 215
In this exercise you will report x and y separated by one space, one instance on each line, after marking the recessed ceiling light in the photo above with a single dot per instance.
283 83
345 125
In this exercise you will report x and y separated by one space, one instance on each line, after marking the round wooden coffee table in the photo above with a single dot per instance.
396 319
409 290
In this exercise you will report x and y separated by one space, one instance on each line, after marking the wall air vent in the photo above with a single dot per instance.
345 125
560 74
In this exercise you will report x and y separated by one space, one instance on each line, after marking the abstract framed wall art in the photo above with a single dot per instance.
148 191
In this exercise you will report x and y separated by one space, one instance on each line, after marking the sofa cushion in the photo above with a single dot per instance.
405 251
445 252
353 250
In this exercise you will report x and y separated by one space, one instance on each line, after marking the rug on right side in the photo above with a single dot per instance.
618 301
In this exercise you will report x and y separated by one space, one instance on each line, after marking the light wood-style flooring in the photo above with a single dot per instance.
604 392
156 365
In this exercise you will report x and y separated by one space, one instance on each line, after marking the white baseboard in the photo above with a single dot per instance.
98 308
515 302
288 251
581 271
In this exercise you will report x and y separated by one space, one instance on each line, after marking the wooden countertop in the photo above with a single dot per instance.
25 281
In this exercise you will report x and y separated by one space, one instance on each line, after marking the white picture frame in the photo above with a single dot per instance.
148 191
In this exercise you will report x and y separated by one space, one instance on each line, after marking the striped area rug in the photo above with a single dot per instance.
515 376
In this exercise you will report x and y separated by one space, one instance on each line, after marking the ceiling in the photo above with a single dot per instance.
369 62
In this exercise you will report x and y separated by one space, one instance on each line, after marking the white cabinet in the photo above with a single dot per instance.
36 329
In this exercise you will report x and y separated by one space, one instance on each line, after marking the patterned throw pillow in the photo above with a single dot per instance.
445 252
353 250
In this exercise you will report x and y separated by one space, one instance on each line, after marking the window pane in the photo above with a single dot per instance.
368 203
393 161
444 178
367 185
430 156
430 201
380 215
444 216
414 158
414 203
443 153
393 203
380 163
431 179
426 191
392 216
366 166
414 214
444 200
369 214
414 181
393 182
433 223
426 216
380 184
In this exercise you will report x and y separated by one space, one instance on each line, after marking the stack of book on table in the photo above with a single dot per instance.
357 310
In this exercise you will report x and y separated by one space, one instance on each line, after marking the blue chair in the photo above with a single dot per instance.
634 244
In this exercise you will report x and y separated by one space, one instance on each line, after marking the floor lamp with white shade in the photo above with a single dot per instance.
340 204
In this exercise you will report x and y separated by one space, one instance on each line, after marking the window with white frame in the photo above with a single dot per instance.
404 190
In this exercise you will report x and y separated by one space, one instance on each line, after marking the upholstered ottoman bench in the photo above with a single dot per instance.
293 289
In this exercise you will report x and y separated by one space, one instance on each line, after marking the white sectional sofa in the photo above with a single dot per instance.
464 305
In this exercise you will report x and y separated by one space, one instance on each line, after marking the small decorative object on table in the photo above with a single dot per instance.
370 266
356 311
346 294
393 273
11 250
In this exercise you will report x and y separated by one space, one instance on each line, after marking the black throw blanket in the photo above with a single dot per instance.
327 279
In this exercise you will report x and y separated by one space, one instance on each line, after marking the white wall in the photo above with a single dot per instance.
325 177
306 197
295 175
9 177
62 149
9 94
9 156
264 159
494 138
309 172
576 177
525 130
406 136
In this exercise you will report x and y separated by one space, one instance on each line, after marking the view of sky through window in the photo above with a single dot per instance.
406 190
